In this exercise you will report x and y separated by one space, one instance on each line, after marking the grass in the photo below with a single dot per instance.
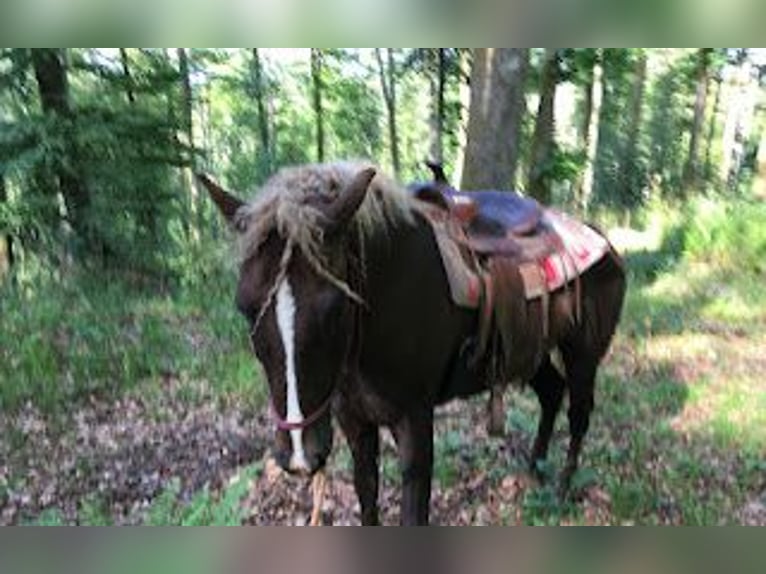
67 340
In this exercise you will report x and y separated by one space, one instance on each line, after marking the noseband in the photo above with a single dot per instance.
284 425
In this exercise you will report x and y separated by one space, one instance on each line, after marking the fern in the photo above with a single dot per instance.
203 509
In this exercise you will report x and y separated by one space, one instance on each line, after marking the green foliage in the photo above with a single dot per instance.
65 338
122 152
729 233
203 509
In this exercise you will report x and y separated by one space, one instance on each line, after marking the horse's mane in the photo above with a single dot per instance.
284 204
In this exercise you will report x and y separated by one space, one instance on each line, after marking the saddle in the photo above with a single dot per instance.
493 221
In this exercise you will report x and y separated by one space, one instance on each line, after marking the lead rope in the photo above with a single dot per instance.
318 490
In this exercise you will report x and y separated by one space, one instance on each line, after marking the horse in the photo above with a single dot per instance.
350 315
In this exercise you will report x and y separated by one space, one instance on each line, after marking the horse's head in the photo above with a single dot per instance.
295 289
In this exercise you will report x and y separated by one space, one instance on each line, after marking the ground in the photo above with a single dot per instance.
678 435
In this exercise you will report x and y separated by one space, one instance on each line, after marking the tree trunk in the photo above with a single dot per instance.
187 127
388 86
538 183
692 170
53 87
594 97
6 241
316 79
263 118
629 164
437 106
712 130
187 101
494 122
128 77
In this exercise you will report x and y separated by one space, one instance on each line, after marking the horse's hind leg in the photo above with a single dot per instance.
548 384
581 377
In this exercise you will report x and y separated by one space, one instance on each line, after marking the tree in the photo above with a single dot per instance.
538 182
594 91
494 122
438 107
717 81
692 167
263 117
53 88
187 128
630 171
128 76
6 241
318 89
387 72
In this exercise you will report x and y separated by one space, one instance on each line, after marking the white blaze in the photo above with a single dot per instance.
286 324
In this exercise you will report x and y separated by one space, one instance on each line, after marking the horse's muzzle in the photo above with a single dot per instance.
310 464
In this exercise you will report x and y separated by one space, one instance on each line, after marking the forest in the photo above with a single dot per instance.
128 390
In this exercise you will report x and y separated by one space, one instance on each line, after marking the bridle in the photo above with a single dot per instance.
284 425
352 354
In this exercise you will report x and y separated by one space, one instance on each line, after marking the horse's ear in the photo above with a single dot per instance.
227 203
340 211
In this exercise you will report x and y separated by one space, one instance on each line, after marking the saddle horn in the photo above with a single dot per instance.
438 171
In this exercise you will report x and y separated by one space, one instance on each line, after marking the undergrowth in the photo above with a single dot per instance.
66 338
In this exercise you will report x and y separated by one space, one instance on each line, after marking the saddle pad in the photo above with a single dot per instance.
580 248
464 282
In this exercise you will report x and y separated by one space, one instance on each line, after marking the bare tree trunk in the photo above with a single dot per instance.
628 164
538 182
187 101
464 94
187 127
263 118
53 87
127 75
494 122
692 170
712 129
388 86
594 99
437 106
316 78
6 241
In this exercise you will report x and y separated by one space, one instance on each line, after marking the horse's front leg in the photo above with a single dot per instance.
414 439
364 442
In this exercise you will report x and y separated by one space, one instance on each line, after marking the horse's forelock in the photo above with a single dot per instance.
288 204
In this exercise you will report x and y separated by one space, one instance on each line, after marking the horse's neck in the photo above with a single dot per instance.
412 329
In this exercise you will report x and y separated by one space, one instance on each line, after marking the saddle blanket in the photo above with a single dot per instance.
580 248
574 248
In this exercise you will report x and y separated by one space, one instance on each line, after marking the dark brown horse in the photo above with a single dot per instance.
350 314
